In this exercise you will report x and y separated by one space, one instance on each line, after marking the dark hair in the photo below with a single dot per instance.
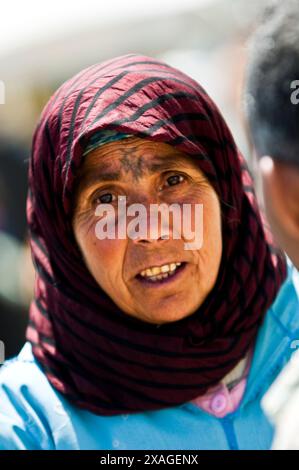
272 82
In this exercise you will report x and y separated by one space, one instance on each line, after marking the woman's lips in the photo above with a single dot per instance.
175 275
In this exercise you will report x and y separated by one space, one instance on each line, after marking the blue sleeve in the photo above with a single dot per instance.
21 427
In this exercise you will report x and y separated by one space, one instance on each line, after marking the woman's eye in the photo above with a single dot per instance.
104 198
175 179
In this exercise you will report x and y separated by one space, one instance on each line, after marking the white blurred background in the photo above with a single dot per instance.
42 44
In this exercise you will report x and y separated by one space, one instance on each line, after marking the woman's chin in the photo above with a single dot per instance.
167 313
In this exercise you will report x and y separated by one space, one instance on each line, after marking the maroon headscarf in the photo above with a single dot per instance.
99 357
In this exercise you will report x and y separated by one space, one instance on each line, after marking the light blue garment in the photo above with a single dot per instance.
35 416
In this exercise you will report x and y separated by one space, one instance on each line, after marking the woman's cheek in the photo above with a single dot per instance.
205 216
104 259
211 229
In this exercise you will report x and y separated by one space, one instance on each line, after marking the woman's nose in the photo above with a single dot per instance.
152 227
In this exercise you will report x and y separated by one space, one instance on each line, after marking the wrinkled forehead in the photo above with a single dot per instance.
115 155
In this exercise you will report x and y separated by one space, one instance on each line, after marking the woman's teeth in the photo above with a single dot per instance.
157 273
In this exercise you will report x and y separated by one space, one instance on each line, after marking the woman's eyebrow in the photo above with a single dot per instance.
100 176
166 165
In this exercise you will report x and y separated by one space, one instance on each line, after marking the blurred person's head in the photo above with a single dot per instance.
272 104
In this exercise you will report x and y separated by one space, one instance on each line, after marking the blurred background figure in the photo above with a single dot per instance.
272 102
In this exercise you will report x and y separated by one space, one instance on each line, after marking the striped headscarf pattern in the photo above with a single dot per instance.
100 358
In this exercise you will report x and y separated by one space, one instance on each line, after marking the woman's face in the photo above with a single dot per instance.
146 173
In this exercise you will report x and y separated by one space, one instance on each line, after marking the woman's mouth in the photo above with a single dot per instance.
158 275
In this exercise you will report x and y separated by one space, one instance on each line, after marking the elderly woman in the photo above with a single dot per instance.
141 342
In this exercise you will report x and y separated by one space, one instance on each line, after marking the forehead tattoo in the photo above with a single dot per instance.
130 161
